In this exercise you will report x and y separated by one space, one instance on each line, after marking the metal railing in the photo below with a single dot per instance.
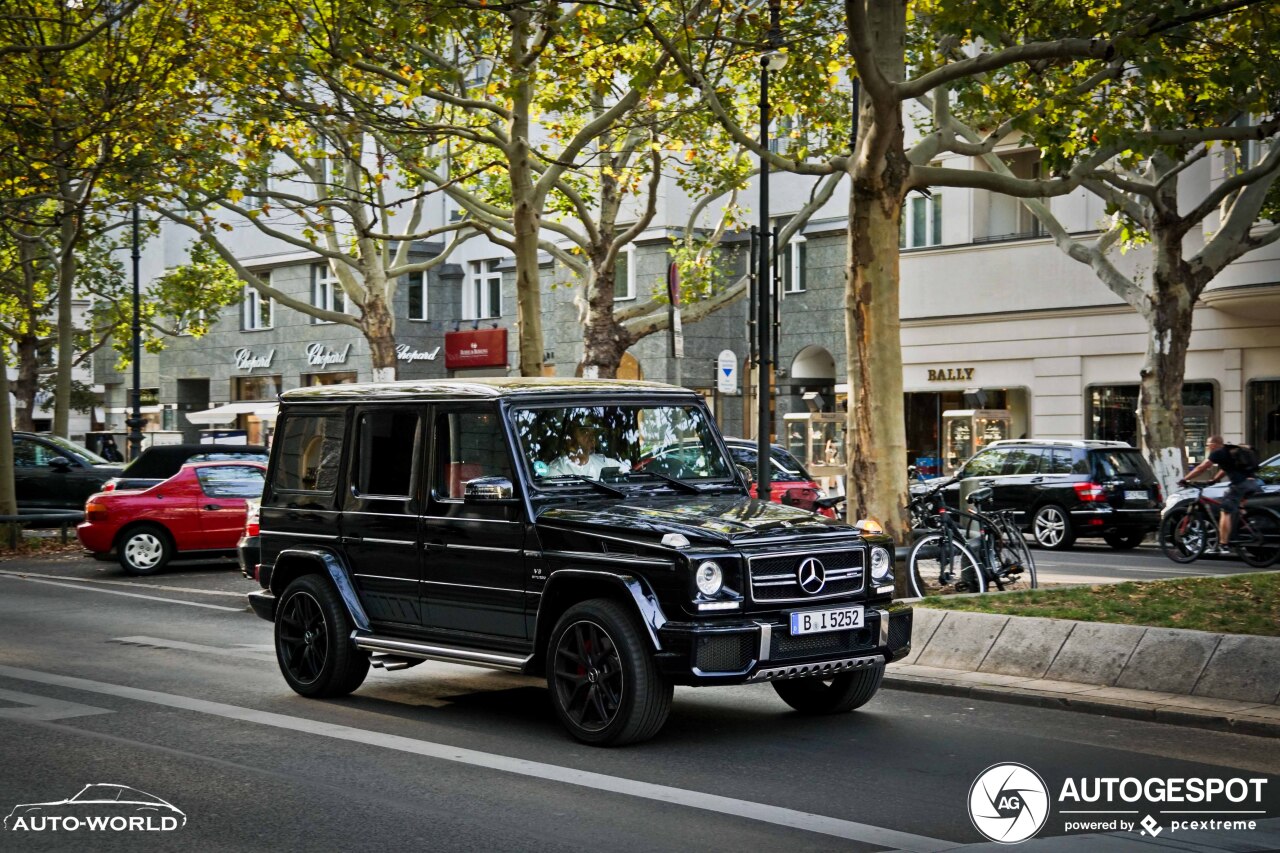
62 518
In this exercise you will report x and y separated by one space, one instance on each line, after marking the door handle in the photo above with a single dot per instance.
1037 479
435 545
212 506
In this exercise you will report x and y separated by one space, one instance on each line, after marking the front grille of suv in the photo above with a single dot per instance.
774 577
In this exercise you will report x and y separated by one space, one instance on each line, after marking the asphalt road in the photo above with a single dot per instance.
1088 562
169 685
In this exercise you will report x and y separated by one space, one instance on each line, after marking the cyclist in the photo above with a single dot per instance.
1243 484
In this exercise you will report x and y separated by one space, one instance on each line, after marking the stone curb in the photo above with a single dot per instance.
1228 682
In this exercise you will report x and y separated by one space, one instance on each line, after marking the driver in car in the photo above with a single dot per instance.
580 458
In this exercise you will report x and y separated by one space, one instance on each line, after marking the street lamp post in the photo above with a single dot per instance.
135 422
774 60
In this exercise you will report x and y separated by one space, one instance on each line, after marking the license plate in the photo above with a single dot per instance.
820 621
1135 496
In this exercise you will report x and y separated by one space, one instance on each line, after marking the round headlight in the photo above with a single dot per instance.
881 564
709 578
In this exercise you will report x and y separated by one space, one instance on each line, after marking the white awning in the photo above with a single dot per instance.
227 413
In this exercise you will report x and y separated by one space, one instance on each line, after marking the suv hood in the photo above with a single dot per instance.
730 518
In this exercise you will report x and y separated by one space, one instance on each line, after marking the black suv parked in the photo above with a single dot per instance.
466 521
1062 489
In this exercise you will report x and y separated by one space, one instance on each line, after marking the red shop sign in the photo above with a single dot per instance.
475 348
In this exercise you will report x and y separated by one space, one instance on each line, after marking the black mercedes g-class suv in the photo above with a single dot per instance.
594 532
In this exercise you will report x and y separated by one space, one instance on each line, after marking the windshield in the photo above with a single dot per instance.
621 443
75 450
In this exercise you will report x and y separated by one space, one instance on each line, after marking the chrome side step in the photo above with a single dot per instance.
409 649
821 669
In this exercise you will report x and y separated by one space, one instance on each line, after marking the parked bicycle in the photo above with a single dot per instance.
1188 531
952 558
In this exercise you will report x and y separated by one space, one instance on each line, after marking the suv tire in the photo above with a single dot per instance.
1051 527
836 695
144 550
312 641
604 683
1124 541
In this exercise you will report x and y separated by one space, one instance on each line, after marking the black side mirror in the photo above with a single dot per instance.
60 463
748 476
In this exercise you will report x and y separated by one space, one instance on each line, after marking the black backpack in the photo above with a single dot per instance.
1243 457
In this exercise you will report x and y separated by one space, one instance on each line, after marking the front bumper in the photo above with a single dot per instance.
753 650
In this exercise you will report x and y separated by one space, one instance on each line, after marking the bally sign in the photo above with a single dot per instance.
475 348
319 355
950 374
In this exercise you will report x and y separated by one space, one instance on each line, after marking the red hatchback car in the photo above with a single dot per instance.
199 511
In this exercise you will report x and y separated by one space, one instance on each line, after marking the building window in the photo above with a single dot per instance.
1263 430
256 310
326 291
482 292
624 276
793 265
1003 217
418 296
921 222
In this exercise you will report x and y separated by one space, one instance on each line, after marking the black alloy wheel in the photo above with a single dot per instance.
605 686
313 645
836 695
1052 529
1124 541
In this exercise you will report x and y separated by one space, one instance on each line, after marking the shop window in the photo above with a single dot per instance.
309 455
326 292
1263 430
482 291
1113 415
418 309
257 311
385 453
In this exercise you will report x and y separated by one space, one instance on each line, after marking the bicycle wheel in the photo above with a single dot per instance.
1016 569
1185 532
940 565
1262 548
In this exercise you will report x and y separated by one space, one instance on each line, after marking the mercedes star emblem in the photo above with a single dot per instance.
811 576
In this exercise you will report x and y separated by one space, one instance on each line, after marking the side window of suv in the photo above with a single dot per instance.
1057 460
24 453
988 463
1023 460
310 454
468 445
384 453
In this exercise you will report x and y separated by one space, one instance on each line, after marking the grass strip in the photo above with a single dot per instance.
1232 604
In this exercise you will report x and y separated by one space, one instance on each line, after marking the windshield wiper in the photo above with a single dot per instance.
598 484
683 485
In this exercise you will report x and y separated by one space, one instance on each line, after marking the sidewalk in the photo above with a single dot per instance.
1228 682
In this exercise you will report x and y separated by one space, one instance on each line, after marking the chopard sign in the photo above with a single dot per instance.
405 353
319 355
246 360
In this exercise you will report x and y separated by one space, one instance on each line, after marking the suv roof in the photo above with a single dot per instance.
1059 442
506 386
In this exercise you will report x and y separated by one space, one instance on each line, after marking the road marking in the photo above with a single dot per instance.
44 707
763 812
134 584
178 645
129 594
